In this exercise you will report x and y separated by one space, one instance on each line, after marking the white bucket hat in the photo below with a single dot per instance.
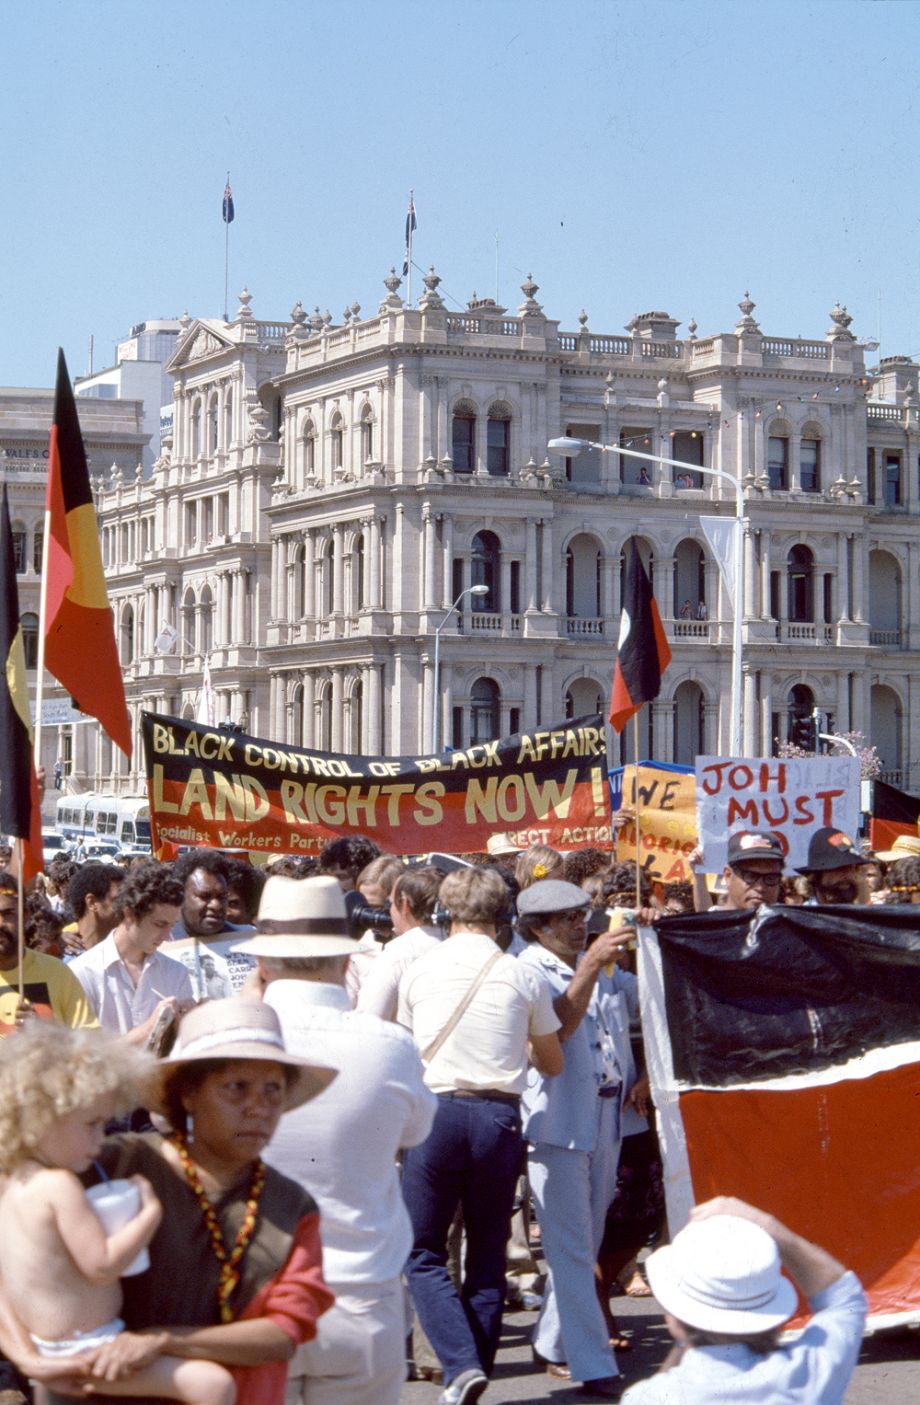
723 1275
301 917
906 846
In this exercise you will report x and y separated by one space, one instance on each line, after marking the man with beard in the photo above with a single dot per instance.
833 868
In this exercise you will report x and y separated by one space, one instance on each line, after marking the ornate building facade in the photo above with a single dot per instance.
332 490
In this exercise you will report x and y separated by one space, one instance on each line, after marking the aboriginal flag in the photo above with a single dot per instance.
643 652
80 649
894 812
20 803
784 1058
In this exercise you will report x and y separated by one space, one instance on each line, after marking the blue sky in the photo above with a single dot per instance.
632 156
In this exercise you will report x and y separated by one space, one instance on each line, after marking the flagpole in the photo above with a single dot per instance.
409 247
226 255
21 913
637 798
42 623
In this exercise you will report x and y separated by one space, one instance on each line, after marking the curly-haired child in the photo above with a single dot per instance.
58 1089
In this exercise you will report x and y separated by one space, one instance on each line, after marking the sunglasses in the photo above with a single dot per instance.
757 880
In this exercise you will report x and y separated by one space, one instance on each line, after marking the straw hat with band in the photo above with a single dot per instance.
237 1028
723 1275
906 846
301 917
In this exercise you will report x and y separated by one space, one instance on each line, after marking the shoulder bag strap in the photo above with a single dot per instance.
429 1053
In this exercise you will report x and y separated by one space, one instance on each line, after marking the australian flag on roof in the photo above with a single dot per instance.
411 226
228 204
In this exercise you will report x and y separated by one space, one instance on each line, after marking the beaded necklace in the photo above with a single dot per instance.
229 1274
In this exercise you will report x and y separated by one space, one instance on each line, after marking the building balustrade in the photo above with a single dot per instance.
805 632
578 627
885 638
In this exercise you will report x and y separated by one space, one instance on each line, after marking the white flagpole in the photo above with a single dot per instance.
409 223
226 248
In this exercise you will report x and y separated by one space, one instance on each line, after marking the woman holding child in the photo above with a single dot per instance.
235 1276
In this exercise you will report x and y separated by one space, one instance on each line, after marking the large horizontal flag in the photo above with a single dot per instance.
784 1052
80 648
227 209
20 803
894 813
643 652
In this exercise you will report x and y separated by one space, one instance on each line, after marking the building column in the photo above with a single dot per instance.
666 584
425 739
529 717
765 573
429 599
338 569
859 614
842 584
766 715
530 567
447 557
337 710
309 576
748 610
374 563
374 739
749 720
547 582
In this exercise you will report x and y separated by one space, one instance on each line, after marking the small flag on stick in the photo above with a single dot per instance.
228 211
411 225
643 652
80 648
20 803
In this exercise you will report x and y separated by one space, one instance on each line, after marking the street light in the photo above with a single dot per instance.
571 447
436 680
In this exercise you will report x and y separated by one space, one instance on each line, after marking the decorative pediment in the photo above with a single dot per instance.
202 340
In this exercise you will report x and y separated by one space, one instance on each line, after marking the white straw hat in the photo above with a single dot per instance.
723 1274
301 917
237 1028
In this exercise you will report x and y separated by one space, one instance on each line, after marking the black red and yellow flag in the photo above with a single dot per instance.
80 647
643 652
20 803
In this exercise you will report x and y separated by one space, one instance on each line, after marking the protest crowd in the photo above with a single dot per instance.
362 1104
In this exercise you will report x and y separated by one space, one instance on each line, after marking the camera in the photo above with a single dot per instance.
361 916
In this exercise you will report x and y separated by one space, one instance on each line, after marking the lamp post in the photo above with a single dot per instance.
436 680
570 447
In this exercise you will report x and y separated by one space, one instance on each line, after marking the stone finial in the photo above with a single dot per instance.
392 281
356 310
184 322
316 321
244 310
346 315
583 320
691 329
431 298
327 318
298 316
748 324
392 302
841 319
258 423
530 307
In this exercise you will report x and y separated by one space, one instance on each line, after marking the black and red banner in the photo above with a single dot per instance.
221 789
784 1050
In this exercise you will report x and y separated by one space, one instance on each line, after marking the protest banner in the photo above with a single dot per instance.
791 797
665 797
228 790
782 1048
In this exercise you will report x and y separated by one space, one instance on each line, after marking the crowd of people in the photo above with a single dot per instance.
341 1086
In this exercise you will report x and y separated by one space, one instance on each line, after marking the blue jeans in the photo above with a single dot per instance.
471 1159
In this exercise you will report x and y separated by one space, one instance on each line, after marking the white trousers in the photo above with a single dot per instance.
572 1191
358 1356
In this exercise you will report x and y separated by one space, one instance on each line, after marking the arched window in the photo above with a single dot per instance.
326 577
583 579
38 542
187 640
29 626
800 705
689 581
337 437
300 596
485 710
357 574
324 716
19 547
778 458
196 429
884 599
309 449
810 464
801 584
367 434
688 724
355 703
585 698
228 419
485 570
127 635
463 438
498 436
886 715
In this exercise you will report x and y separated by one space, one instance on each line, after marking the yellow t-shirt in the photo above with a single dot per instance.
53 990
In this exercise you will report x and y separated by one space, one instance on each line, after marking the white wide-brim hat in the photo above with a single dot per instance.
906 846
301 917
723 1275
237 1028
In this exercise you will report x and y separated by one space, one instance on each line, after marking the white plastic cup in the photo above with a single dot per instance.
116 1203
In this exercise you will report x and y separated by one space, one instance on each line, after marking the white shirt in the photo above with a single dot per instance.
342 1146
488 1047
379 993
118 1004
